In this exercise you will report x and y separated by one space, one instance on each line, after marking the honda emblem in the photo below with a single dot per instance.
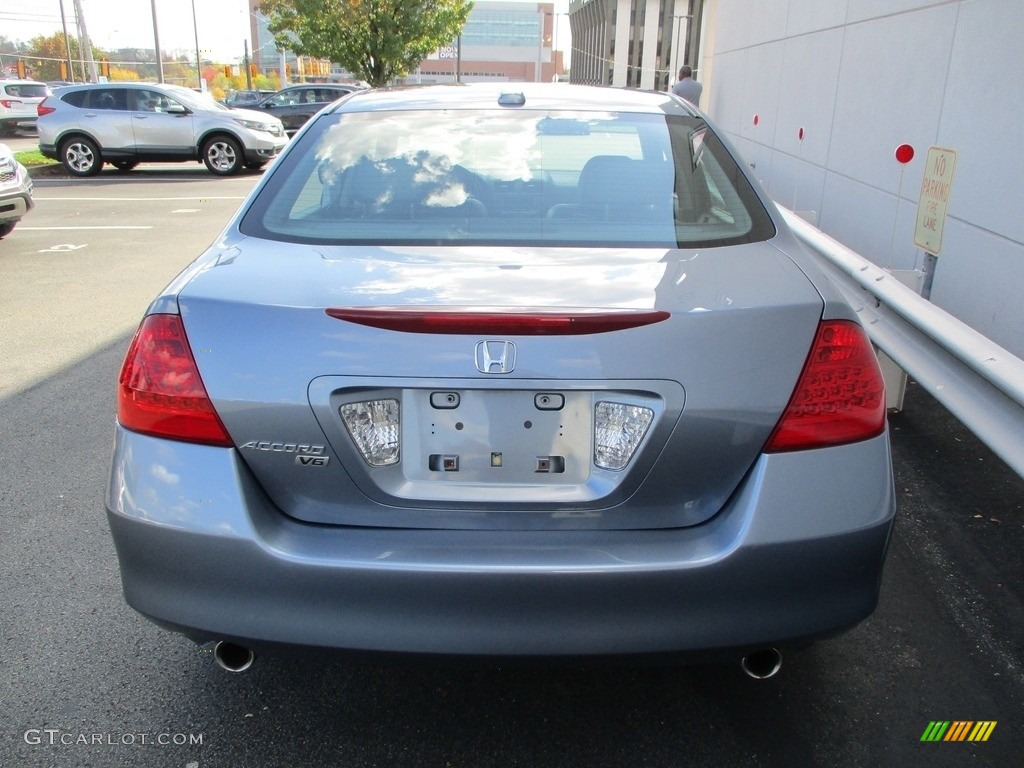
495 356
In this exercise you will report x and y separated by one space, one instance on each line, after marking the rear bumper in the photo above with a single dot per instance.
11 122
202 551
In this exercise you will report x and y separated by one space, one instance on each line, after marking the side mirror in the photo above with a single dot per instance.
176 109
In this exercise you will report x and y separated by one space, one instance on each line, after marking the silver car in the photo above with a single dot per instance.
15 191
503 370
85 126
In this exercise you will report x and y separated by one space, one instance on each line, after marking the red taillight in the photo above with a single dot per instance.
8 103
42 109
840 396
160 392
516 322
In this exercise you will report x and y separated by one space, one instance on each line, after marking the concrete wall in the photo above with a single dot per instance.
862 77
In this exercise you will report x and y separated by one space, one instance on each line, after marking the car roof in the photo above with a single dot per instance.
318 85
555 96
128 84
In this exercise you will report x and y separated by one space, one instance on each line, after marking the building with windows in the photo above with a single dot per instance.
633 43
514 42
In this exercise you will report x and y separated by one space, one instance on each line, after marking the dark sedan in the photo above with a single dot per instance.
295 104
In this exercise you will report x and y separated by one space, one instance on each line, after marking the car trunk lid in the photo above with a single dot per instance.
496 422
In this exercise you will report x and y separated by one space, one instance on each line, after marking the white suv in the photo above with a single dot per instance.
18 102
125 124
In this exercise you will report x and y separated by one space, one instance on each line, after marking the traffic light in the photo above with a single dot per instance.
227 70
63 70
21 69
252 70
105 68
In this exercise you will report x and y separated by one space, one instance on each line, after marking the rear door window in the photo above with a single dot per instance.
108 98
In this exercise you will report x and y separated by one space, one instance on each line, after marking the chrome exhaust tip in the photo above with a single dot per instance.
762 664
232 656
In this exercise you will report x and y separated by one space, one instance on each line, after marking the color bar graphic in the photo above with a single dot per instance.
958 730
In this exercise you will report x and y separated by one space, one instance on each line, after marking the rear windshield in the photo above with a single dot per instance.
508 178
27 90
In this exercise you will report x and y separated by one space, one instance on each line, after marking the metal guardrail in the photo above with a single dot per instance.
978 381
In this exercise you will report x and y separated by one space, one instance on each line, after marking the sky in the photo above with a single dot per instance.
222 26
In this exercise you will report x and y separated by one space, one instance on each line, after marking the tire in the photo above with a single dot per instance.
6 229
81 157
222 156
124 165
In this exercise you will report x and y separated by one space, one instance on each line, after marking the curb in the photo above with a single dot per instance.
50 169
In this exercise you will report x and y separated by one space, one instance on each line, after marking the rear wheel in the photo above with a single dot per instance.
222 155
6 229
80 156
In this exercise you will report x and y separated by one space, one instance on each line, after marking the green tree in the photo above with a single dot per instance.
44 55
375 40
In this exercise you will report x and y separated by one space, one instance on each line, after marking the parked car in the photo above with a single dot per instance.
295 104
15 191
18 101
519 369
247 98
85 126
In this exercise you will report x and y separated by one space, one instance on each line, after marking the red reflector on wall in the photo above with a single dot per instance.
840 396
512 323
160 392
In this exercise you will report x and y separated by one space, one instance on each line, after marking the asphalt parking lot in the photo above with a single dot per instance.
86 681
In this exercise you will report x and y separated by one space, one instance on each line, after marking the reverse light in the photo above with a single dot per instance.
618 430
374 428
840 396
160 392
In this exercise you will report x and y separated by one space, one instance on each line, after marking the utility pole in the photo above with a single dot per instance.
85 42
156 44
67 42
199 64
248 69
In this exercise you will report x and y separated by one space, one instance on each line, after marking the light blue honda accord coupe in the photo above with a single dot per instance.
504 370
